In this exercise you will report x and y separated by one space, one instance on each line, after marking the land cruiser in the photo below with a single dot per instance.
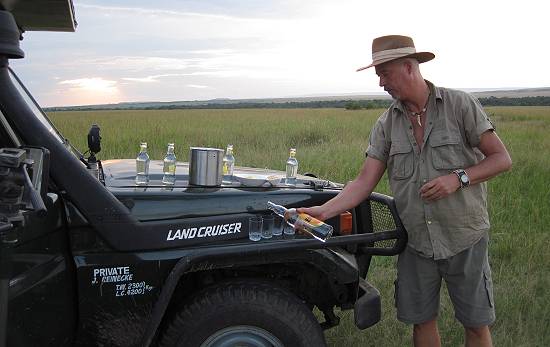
93 259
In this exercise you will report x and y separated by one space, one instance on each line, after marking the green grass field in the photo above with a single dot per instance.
331 143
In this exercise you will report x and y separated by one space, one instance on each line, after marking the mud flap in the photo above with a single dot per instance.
367 310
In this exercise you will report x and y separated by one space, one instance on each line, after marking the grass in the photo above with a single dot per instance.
331 143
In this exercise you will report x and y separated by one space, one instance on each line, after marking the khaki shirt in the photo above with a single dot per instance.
455 121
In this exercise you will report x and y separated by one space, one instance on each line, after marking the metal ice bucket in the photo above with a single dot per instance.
205 166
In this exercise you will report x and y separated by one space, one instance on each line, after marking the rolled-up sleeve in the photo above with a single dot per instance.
379 147
476 121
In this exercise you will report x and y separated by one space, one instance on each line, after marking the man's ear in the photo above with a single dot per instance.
408 66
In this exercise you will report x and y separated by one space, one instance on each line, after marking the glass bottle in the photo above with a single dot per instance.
169 166
142 165
302 222
291 167
228 164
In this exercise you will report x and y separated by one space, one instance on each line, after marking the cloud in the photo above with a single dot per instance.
148 79
92 84
208 49
158 12
86 91
203 22
156 78
143 63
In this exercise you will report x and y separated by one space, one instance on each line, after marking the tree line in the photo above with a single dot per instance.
523 101
490 101
347 104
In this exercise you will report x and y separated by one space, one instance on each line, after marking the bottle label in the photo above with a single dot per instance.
310 220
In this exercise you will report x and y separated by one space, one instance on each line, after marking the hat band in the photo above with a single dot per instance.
392 53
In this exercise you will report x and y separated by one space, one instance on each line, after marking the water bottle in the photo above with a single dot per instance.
291 167
228 164
169 167
302 222
142 165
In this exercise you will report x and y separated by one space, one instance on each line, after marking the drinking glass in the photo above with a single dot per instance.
255 228
278 226
267 228
289 231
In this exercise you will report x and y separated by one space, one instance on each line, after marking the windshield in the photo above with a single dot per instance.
34 107
39 114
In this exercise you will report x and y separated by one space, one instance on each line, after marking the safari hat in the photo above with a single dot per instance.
391 47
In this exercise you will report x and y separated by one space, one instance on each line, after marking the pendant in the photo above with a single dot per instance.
418 120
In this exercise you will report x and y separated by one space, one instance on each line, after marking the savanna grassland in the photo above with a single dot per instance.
331 143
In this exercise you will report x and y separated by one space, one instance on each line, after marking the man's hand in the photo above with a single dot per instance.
315 212
353 193
439 188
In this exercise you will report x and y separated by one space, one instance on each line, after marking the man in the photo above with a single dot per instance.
439 148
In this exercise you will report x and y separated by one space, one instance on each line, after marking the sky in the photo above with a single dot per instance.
137 50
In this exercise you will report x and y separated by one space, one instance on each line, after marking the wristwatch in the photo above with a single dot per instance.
462 178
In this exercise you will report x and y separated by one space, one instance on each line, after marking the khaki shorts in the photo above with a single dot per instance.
468 279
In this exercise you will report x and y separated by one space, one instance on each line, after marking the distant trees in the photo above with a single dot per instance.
524 101
367 104
351 105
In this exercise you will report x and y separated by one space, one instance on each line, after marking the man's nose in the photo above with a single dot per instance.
382 82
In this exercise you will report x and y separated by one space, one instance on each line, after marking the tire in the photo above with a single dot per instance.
244 313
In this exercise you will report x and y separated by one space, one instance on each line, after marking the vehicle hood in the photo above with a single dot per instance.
157 201
121 173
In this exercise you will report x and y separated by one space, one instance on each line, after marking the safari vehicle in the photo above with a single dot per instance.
96 260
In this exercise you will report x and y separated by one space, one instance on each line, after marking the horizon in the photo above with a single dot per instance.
205 50
324 97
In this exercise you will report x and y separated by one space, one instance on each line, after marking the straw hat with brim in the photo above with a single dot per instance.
391 47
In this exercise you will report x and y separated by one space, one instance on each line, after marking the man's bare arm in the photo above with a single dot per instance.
353 193
497 160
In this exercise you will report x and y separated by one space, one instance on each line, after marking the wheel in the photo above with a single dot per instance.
244 313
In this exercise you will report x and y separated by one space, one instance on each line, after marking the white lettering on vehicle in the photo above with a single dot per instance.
131 289
204 231
121 280
112 274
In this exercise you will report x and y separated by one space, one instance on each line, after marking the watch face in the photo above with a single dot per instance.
464 179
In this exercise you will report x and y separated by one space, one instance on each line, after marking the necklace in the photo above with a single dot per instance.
418 115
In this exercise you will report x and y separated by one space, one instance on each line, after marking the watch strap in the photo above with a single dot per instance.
463 178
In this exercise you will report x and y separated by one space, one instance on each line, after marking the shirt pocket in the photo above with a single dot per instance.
401 161
447 152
